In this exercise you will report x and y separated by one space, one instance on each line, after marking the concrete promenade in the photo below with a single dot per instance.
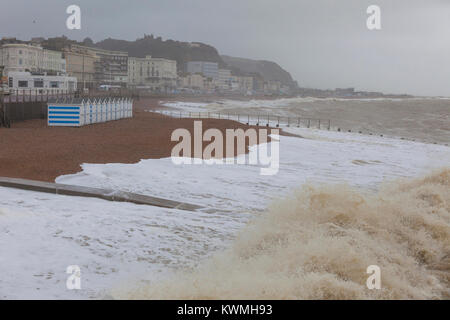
105 194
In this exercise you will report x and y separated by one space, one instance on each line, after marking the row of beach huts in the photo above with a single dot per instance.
77 112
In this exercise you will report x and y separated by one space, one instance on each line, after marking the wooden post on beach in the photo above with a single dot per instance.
309 123
329 124
258 120
278 124
289 122
298 123
319 123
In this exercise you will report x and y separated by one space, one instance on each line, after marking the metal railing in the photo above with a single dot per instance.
32 95
257 120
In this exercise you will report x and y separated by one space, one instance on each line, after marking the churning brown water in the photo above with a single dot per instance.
421 119
317 244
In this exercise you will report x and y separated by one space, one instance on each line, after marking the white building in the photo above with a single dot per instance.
246 85
53 62
193 81
224 79
26 83
208 69
157 74
19 57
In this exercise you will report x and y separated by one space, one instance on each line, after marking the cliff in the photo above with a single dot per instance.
267 69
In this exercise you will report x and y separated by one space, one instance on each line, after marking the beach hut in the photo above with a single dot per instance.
122 108
104 109
129 104
84 112
90 111
114 109
77 112
65 112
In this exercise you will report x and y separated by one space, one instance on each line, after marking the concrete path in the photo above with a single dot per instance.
105 194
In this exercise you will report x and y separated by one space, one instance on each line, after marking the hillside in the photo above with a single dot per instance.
267 69
182 52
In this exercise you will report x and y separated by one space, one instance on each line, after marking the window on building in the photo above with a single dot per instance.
38 83
20 61
54 84
11 82
23 84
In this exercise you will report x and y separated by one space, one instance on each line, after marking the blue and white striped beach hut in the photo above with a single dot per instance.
79 112
66 112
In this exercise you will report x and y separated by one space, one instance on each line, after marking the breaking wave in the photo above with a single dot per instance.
318 243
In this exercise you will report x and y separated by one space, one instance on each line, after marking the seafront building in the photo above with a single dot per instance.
192 81
94 68
80 62
19 57
207 69
224 80
272 86
30 68
111 67
155 74
246 85
37 84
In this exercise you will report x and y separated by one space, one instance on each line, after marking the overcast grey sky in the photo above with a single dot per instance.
322 43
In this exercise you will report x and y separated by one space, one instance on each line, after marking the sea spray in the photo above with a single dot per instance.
318 243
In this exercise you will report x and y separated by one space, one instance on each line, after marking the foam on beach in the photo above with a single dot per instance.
318 242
